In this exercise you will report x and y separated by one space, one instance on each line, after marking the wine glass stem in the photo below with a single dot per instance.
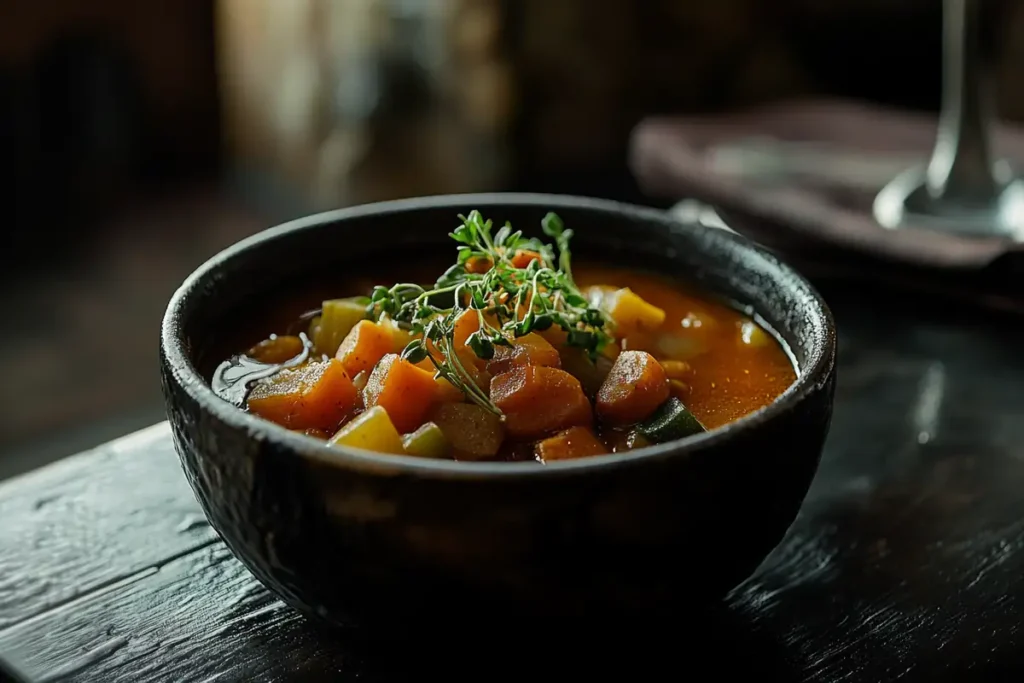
961 168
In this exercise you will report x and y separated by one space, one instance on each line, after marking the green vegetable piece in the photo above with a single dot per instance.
671 421
336 320
426 442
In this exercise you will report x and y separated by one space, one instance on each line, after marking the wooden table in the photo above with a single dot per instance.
906 563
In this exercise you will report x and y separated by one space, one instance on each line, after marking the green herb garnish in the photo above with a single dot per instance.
544 293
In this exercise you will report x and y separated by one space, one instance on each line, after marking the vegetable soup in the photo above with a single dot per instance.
513 353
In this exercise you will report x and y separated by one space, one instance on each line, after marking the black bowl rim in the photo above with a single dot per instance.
809 379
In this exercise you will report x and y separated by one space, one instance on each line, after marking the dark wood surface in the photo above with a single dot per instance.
906 563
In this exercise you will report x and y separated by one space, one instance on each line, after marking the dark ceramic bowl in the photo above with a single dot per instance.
356 537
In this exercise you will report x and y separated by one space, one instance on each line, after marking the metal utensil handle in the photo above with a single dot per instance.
961 167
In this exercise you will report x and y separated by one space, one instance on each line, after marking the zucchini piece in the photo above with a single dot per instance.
336 320
426 442
671 421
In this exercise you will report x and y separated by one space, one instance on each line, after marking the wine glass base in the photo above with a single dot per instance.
907 201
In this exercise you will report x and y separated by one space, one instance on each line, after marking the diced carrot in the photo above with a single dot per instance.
313 396
466 324
575 442
555 336
475 367
474 432
524 257
448 392
537 400
364 346
634 388
432 352
276 349
405 391
478 265
530 349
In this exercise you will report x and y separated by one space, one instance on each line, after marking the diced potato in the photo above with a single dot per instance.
371 431
364 346
575 442
631 313
538 400
336 320
677 369
313 396
751 334
634 389
400 338
404 390
680 346
611 351
427 442
276 349
474 432
530 349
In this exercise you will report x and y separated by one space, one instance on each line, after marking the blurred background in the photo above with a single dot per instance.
141 137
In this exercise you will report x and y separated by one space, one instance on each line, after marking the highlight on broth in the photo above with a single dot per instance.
514 353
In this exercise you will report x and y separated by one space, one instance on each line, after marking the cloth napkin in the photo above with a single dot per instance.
801 177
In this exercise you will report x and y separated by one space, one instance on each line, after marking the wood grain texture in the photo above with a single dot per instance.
904 565
93 521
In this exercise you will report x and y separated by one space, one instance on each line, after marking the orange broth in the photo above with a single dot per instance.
730 378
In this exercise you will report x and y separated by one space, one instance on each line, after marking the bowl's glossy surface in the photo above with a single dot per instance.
358 537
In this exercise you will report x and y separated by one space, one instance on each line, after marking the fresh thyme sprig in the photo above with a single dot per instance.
510 301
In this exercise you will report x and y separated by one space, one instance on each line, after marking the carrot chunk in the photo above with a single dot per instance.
530 349
276 349
448 392
575 442
478 265
316 396
634 388
524 257
405 391
466 324
537 400
364 346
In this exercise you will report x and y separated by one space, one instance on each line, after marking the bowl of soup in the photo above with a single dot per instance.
498 407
